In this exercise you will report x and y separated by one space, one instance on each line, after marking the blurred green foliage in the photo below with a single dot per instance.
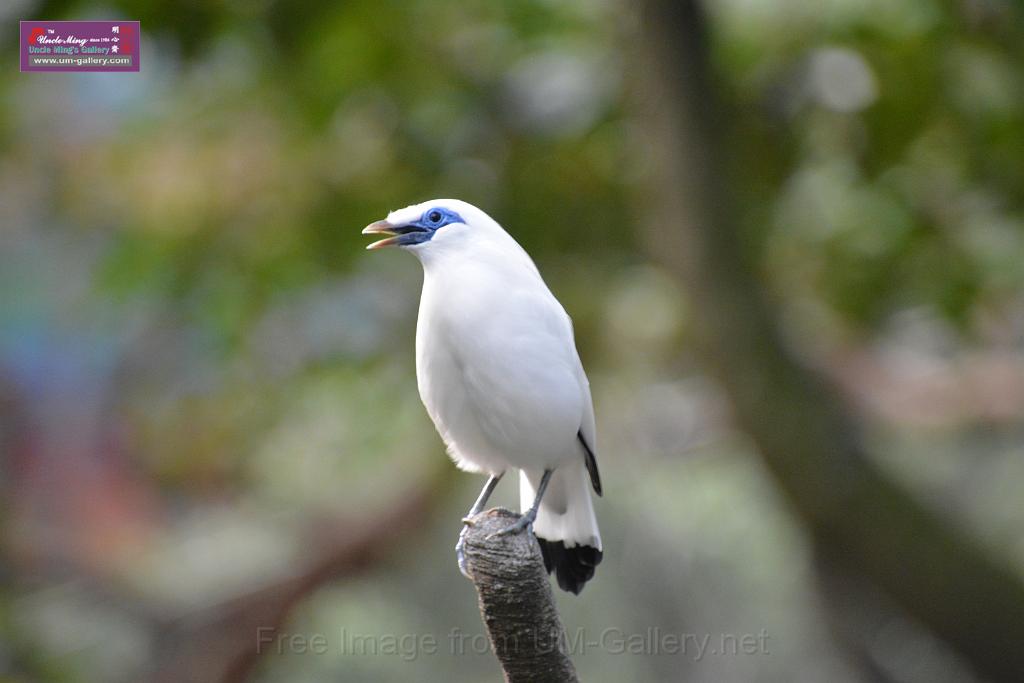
197 357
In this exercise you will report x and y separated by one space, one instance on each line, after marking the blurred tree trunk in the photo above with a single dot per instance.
857 518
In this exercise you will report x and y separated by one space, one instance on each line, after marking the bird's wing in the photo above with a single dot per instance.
588 426
587 434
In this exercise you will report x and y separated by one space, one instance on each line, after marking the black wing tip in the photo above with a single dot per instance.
591 461
572 566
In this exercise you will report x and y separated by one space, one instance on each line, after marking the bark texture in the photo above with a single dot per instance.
516 601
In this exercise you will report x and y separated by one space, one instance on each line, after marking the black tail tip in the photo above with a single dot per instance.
572 566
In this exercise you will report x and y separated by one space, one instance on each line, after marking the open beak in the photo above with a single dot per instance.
381 228
400 235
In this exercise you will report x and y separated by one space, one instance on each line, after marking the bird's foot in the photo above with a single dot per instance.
524 522
460 552
468 521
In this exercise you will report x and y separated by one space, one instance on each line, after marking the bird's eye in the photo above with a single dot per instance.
434 216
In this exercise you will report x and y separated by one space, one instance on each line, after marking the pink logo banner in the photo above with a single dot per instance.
80 45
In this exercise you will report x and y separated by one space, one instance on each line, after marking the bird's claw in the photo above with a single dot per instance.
460 553
524 522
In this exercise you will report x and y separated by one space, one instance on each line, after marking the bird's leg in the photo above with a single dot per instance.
467 521
527 519
482 499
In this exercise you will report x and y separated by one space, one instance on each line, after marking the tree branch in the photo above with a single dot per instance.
857 516
516 601
222 643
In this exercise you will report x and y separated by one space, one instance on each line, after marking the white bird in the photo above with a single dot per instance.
499 375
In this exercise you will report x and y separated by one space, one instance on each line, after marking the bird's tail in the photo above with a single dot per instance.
565 526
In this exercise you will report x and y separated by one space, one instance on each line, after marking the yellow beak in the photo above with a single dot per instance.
381 228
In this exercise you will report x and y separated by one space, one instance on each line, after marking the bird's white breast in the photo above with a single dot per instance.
496 364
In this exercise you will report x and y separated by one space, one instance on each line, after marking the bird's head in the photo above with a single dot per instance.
428 226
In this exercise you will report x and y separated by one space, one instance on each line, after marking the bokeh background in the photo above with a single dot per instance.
208 412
